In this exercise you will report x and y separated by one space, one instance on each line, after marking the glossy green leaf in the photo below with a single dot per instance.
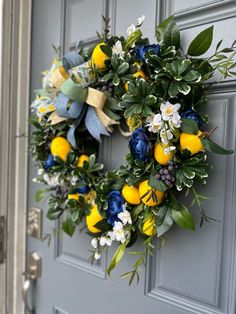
68 226
164 220
215 148
189 126
168 33
183 217
107 50
116 257
201 42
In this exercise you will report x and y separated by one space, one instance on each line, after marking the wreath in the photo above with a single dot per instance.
159 94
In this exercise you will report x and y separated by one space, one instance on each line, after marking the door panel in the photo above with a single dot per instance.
195 271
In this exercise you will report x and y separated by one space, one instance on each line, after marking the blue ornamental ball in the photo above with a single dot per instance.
191 114
141 50
49 162
139 144
115 206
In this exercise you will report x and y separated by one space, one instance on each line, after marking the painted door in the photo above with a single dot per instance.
195 272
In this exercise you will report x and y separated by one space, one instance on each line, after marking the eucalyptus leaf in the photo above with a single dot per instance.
39 195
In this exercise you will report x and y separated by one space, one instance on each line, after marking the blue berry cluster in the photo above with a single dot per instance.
167 174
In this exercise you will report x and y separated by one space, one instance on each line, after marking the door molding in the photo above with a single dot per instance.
14 109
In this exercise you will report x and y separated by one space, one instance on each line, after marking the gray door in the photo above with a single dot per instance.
195 272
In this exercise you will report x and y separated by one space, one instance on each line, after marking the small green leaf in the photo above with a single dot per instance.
54 213
215 148
157 184
164 220
201 42
103 225
122 68
39 195
189 126
68 226
117 257
107 50
183 217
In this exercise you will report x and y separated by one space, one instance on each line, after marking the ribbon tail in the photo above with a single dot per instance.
94 125
71 133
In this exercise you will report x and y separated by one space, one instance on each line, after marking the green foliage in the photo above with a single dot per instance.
189 126
117 257
215 148
164 220
167 33
182 216
68 226
201 42
192 169
139 99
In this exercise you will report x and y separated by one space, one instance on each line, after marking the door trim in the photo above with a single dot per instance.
14 108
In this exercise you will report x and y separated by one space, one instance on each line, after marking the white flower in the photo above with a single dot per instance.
118 232
166 136
94 243
117 49
175 121
155 123
35 180
97 255
131 29
40 171
51 180
74 180
168 110
140 20
125 217
105 241
169 149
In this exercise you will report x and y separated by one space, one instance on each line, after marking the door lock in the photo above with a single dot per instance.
34 224
33 272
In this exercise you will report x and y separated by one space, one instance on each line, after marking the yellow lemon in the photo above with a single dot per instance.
81 160
148 227
93 218
136 74
160 155
191 142
99 57
131 194
144 188
60 147
73 196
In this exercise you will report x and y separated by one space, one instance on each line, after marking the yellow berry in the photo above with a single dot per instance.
143 190
60 147
93 218
191 142
99 57
149 227
81 160
159 154
131 194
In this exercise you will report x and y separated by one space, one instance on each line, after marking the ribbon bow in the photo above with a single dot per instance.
76 102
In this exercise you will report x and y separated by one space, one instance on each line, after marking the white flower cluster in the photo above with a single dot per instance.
118 233
50 179
164 123
117 49
132 28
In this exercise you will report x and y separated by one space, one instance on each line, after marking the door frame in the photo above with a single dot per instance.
14 108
